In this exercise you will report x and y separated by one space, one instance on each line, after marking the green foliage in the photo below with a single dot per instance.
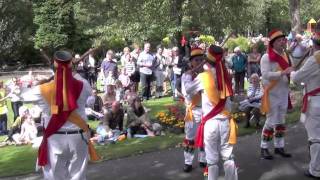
56 24
208 39
241 41
16 28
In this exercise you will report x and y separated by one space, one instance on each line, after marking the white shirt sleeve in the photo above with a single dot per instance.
266 69
306 71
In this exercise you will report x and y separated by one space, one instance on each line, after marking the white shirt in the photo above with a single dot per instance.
34 95
145 59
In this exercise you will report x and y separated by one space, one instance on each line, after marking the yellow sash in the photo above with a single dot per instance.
194 102
48 94
207 79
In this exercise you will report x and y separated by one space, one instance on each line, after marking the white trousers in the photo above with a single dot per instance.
190 130
67 156
312 125
274 118
216 136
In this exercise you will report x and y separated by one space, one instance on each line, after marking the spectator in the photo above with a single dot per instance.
16 126
113 118
123 59
28 131
252 104
95 105
132 71
109 68
91 66
109 97
138 121
177 72
159 72
168 71
124 78
254 62
119 91
80 67
298 49
130 95
239 63
15 92
145 62
135 53
3 110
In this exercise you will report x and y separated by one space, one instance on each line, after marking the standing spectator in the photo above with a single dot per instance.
239 63
159 72
132 71
177 72
145 61
123 59
15 92
109 67
80 67
3 110
254 62
91 65
135 53
298 49
168 71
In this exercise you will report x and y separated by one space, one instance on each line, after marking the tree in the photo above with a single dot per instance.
295 15
16 28
56 24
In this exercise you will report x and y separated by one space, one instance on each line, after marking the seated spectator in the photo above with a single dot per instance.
35 113
119 92
130 95
94 106
124 79
251 105
109 97
138 121
16 126
111 126
28 131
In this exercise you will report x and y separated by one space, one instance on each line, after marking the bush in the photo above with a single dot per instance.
241 41
207 39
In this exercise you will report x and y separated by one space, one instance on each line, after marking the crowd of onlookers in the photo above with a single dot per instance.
121 83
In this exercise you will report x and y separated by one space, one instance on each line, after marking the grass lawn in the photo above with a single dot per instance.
19 160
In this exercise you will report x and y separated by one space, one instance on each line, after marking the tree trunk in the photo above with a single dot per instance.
294 6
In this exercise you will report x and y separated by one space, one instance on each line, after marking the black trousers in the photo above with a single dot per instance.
15 108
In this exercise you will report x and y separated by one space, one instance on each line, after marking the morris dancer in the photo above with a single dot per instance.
193 115
63 153
275 70
217 131
309 74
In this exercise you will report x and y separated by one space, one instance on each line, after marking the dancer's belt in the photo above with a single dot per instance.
69 132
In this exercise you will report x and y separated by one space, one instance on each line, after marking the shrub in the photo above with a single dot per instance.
241 41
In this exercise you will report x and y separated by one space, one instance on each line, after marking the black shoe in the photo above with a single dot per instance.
265 154
187 168
308 174
202 164
282 153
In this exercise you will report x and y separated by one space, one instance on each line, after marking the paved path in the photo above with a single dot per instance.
167 164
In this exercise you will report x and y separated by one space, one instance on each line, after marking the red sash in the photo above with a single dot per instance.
305 99
284 62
